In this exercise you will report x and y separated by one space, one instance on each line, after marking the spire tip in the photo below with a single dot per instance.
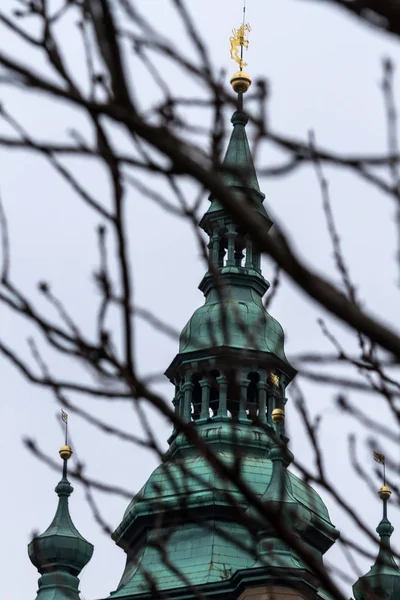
240 81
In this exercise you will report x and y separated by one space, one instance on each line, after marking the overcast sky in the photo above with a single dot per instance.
325 72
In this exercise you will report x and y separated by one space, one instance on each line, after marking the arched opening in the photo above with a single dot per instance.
240 248
214 392
233 395
222 252
252 396
196 397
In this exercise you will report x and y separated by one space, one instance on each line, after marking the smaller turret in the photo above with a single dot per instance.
60 553
383 579
306 520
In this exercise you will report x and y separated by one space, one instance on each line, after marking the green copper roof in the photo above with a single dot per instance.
384 576
193 481
239 322
60 553
239 170
190 484
200 553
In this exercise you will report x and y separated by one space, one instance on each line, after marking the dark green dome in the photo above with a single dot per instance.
61 543
193 481
239 322
60 553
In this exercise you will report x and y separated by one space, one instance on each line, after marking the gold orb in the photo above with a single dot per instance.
240 82
385 492
65 452
278 416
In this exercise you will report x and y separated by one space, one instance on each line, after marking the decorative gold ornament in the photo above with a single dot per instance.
278 416
240 82
274 379
385 492
65 452
238 40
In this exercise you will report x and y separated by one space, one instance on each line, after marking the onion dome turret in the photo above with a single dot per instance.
60 553
383 579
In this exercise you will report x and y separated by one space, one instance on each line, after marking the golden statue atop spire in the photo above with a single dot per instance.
241 81
238 40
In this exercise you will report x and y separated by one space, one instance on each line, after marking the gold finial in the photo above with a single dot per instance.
278 416
240 81
385 492
65 452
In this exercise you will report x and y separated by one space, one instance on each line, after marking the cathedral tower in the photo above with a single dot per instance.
185 529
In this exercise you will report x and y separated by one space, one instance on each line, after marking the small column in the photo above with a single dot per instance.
176 399
181 400
210 252
249 253
257 261
214 246
244 384
231 236
223 393
175 403
205 385
271 401
187 402
262 401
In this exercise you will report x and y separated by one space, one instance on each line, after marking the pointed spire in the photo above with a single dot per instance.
279 489
239 174
301 513
238 164
279 493
279 498
383 579
60 553
238 170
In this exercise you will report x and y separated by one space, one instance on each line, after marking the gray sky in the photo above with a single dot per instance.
325 70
